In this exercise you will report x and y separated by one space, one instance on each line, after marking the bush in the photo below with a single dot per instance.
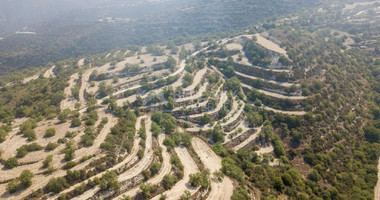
187 80
50 132
11 163
231 169
3 135
51 146
69 165
240 194
47 161
13 186
169 143
30 134
56 185
155 168
109 181
26 178
168 181
200 179
69 154
75 122
140 153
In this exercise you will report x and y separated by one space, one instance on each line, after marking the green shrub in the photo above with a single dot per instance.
50 132
11 163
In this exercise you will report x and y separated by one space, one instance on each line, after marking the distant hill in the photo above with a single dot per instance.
68 28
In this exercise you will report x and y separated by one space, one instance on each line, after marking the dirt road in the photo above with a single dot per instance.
190 167
377 187
249 139
165 169
49 73
69 101
275 95
219 189
147 158
269 44
299 113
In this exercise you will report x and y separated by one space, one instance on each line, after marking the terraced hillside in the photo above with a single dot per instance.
164 122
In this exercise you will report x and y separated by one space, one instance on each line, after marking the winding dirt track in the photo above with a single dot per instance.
284 84
84 85
81 62
69 101
275 95
222 100
27 79
49 73
147 158
377 187
136 169
197 79
269 44
249 139
165 169
244 125
190 167
219 189
132 155
299 113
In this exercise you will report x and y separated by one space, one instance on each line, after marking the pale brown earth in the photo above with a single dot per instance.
244 127
69 101
249 139
134 170
263 150
219 189
190 167
147 158
197 79
127 160
49 73
299 113
81 62
85 77
377 187
276 95
28 79
165 169
234 46
197 95
234 113
223 98
284 84
354 5
269 44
